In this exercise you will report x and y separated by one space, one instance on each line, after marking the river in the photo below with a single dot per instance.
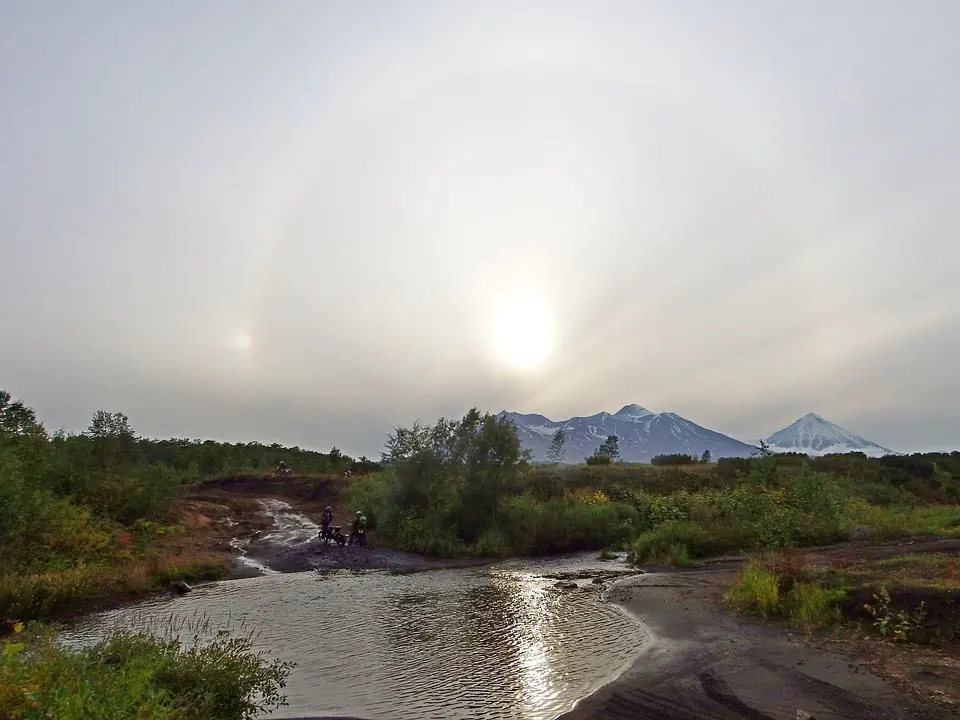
495 641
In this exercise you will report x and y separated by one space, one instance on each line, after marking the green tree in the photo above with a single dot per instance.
558 447
114 441
17 420
705 458
611 448
607 453
455 472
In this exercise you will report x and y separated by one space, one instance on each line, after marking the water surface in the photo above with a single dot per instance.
491 642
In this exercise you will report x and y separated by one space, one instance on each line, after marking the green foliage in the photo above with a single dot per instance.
138 676
609 451
672 542
465 487
900 625
705 458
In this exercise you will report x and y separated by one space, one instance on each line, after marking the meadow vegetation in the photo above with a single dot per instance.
466 487
88 516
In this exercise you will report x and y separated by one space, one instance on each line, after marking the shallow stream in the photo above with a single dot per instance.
499 641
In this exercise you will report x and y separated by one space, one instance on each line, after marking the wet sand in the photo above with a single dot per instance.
701 662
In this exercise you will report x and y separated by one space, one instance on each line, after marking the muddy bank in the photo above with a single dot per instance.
700 662
314 555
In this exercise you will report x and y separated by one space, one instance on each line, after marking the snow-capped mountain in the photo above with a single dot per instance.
643 435
813 435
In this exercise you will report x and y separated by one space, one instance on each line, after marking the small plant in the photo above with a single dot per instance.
899 624
606 554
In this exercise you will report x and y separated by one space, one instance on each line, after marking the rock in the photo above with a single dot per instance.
180 588
566 585
597 581
801 715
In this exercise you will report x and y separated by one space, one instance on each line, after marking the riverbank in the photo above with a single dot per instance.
701 661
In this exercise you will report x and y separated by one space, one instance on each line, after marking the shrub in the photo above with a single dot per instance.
138 676
671 541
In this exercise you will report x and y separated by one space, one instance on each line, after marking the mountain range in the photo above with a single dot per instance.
645 434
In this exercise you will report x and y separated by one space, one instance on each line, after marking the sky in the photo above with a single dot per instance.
312 222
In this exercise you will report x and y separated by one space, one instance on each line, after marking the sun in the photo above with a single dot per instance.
242 341
522 333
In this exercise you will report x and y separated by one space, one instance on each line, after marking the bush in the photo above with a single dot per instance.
138 676
669 542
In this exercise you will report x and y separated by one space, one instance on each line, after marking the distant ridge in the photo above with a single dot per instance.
643 435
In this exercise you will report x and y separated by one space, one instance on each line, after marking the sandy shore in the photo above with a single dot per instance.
701 662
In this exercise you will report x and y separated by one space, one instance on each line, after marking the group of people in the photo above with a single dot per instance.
357 526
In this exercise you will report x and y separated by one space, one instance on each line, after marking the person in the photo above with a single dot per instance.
326 520
356 528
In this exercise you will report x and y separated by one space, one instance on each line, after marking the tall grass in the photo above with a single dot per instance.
808 606
757 591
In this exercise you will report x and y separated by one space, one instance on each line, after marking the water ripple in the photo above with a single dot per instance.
497 642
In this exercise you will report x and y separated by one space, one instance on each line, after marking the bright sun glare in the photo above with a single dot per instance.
242 341
522 334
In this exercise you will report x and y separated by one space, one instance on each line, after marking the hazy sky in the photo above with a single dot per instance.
309 222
